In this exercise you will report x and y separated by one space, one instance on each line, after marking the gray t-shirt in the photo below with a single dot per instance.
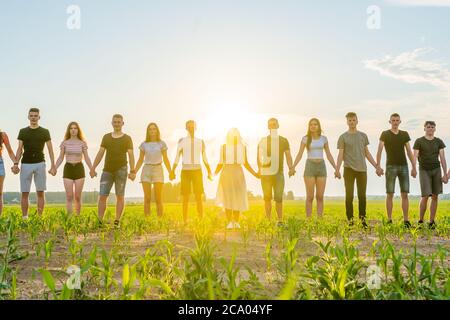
354 145
153 151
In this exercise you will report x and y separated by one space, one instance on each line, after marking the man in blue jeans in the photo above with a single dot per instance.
396 141
116 145
271 152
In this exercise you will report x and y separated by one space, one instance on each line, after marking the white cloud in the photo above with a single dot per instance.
419 3
411 68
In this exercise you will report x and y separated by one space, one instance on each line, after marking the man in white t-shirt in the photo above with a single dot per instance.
193 151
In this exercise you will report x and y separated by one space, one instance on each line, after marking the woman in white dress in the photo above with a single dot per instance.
232 189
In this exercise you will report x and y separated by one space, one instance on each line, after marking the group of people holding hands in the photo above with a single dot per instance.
273 150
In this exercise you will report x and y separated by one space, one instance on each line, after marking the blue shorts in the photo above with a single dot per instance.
2 168
117 178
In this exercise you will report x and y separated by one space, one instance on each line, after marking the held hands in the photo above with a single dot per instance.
337 174
210 176
92 173
172 175
413 172
379 171
445 179
52 171
132 176
15 169
291 172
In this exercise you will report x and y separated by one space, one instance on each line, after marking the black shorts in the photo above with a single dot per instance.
74 171
191 180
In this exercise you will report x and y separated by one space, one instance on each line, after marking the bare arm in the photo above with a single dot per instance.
98 158
380 152
51 153
60 158
87 159
205 159
10 152
141 161
299 154
19 151
370 158
340 159
131 160
329 156
288 158
249 167
166 161
411 158
443 164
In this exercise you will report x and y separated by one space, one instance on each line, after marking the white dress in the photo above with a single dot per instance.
232 189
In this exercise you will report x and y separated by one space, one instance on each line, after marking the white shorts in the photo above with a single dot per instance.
152 174
28 171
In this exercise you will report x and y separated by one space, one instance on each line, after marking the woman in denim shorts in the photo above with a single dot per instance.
315 174
4 141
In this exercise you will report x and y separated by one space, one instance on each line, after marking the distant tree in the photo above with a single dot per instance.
289 196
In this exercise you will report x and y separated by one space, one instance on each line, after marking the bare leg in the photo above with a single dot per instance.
279 208
320 191
405 206
79 184
389 205
199 200
185 208
229 214
423 207
24 203
268 208
40 201
101 206
309 185
68 186
433 207
2 179
158 187
147 187
120 205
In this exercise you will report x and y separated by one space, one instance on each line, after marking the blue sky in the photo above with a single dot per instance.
225 63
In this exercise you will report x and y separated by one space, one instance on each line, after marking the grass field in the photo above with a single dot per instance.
150 258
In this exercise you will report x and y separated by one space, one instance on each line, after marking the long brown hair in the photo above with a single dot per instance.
309 133
158 134
80 134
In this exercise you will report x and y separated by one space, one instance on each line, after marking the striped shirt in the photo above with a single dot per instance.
73 149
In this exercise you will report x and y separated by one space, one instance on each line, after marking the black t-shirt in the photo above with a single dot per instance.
33 144
116 151
395 146
429 152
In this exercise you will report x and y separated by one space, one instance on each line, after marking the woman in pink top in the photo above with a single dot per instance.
4 141
73 147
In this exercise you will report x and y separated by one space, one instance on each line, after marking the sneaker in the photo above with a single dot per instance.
351 223
280 224
407 224
420 224
432 225
237 225
389 222
230 226
116 223
25 217
364 224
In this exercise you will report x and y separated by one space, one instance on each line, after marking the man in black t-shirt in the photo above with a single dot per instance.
32 141
115 172
429 150
396 141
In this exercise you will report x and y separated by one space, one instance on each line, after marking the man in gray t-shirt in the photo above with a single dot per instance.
353 151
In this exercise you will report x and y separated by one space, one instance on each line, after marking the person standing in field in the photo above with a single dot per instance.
353 152
192 150
232 189
315 174
429 150
74 148
396 141
4 141
32 140
270 156
153 152
117 145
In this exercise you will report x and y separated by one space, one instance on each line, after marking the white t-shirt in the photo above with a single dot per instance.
315 151
153 151
192 150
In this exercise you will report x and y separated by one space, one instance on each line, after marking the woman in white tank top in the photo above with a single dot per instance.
315 174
